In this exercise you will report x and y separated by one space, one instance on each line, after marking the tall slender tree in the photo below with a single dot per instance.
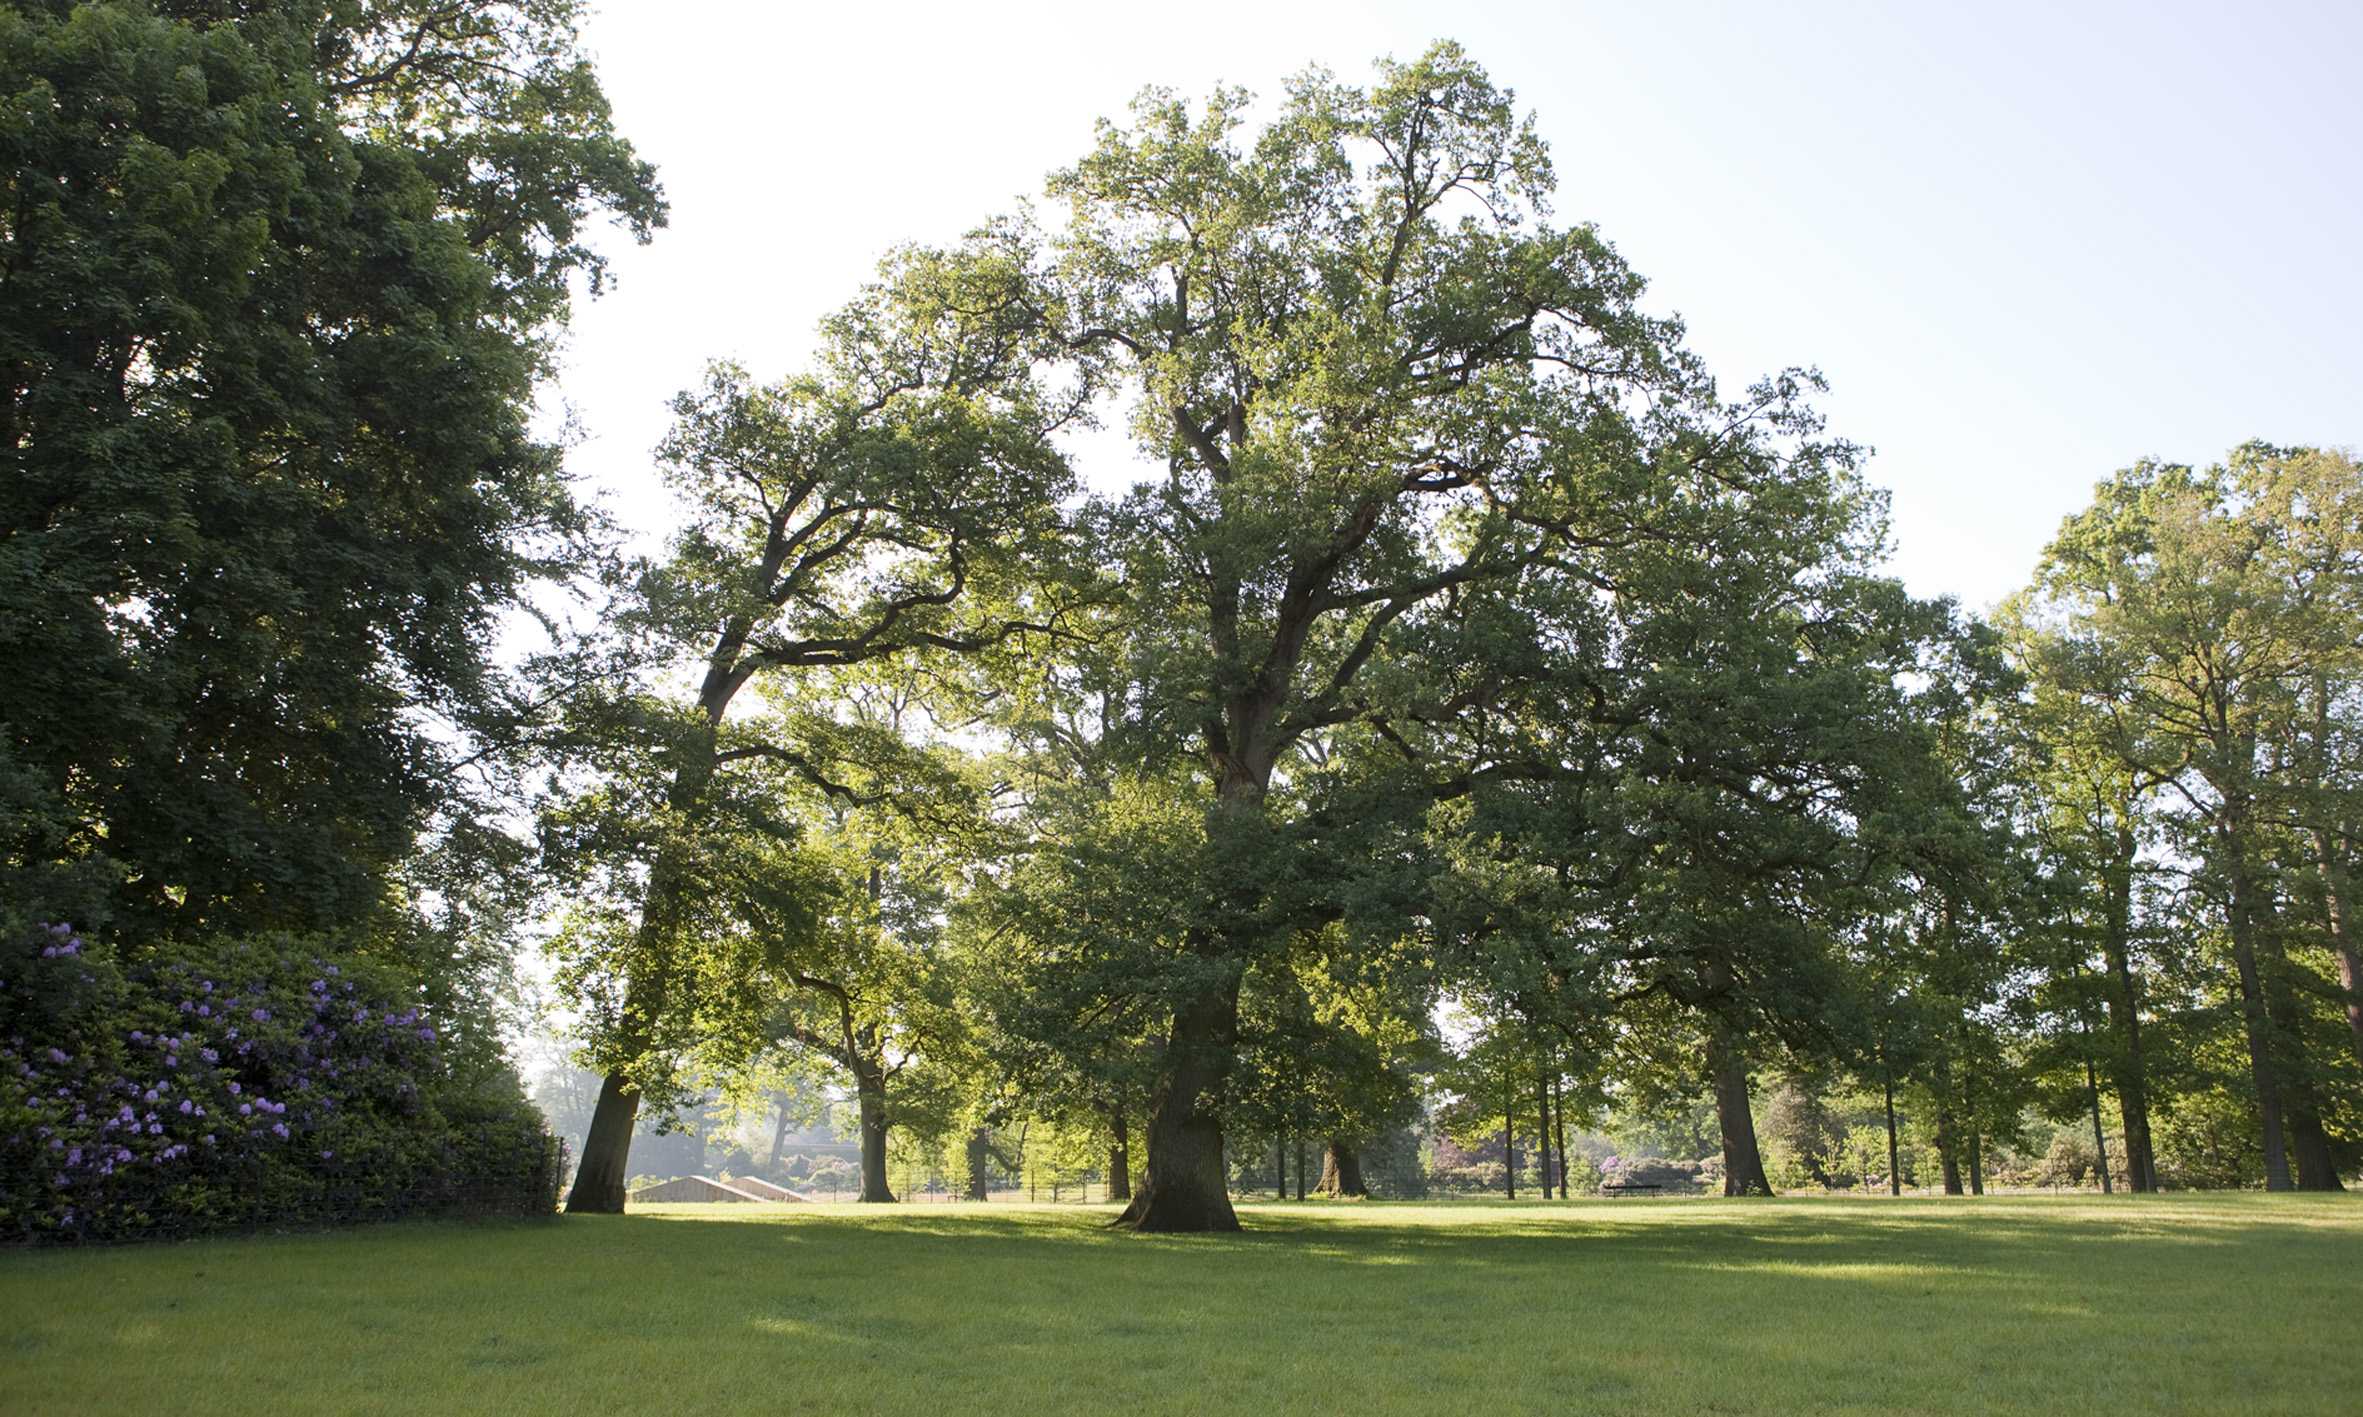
2205 605
890 503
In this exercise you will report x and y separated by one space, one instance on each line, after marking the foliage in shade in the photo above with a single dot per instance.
281 280
245 1083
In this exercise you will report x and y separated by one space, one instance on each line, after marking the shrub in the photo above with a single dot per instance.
241 1084
1674 1177
2208 1140
834 1171
1391 1165
1787 1169
2070 1162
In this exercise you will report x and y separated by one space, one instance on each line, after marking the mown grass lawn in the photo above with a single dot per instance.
2220 1304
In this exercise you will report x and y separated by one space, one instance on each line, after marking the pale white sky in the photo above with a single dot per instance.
2027 243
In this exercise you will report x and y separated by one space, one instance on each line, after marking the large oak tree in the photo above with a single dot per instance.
1382 387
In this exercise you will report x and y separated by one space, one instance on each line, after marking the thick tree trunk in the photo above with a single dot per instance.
2100 1138
1341 1170
869 1090
1280 1167
2308 1145
607 1146
980 1164
1184 1189
607 1149
1743 1163
2309 1149
2254 1018
2260 1066
1119 1157
2129 1074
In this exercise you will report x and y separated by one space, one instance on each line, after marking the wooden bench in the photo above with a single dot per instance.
1621 1187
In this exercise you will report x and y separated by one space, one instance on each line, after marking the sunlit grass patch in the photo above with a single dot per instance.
2180 1304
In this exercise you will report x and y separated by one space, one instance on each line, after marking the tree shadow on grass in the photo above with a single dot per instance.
2035 1305
1905 1242
2000 1305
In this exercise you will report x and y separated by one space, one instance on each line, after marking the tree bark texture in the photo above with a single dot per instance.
870 1095
2309 1160
1184 1189
2254 1018
1119 1156
2342 938
2309 1148
2331 863
2100 1138
607 1146
599 1177
980 1163
1743 1162
1341 1170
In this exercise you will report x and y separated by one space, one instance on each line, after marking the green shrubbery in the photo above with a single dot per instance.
241 1084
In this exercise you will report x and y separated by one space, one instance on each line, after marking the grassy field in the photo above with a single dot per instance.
2214 1304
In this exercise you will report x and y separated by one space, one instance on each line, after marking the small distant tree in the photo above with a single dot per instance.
1864 1153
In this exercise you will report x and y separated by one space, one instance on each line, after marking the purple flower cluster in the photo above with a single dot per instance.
130 1099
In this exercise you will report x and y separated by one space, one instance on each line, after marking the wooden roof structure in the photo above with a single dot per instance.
694 1189
767 1191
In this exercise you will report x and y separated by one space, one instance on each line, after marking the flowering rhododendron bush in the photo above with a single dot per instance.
248 1083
